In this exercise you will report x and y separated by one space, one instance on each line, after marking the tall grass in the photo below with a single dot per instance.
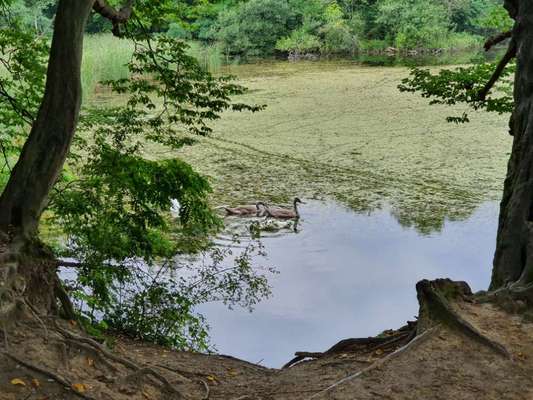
105 58
209 56
456 41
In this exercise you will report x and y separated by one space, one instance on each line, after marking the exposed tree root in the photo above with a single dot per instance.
515 299
416 341
98 347
181 373
435 308
137 376
91 350
35 314
139 371
361 345
435 311
59 379
62 295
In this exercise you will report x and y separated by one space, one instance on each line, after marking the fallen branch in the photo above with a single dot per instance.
494 40
207 390
509 55
408 336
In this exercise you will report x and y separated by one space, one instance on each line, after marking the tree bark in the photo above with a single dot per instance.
47 146
513 260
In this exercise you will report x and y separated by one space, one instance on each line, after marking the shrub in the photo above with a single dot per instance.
177 30
336 33
300 41
413 23
253 28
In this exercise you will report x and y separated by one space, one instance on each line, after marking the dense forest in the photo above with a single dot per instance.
266 27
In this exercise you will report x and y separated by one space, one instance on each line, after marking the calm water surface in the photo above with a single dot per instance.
349 275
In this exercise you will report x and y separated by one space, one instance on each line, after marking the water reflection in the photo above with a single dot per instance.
377 59
349 275
425 59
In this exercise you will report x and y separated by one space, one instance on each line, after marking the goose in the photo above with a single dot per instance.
175 207
259 209
284 213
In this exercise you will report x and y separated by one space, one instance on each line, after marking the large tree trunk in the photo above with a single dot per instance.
44 153
513 260
24 263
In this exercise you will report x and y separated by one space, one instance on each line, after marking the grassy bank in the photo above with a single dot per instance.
105 58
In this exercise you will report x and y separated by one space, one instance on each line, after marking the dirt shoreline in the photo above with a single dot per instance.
492 358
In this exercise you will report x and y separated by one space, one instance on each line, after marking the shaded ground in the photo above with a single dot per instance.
441 363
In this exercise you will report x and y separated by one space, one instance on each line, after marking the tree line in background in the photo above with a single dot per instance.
263 27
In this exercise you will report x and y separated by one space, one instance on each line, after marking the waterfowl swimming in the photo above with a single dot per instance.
284 213
175 207
259 209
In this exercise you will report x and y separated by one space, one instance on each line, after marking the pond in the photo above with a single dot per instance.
395 194
347 274
404 195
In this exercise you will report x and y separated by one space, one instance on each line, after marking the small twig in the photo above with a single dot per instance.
207 390
16 107
6 158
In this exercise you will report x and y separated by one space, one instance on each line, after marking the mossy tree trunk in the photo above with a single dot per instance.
513 260
47 146
41 162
